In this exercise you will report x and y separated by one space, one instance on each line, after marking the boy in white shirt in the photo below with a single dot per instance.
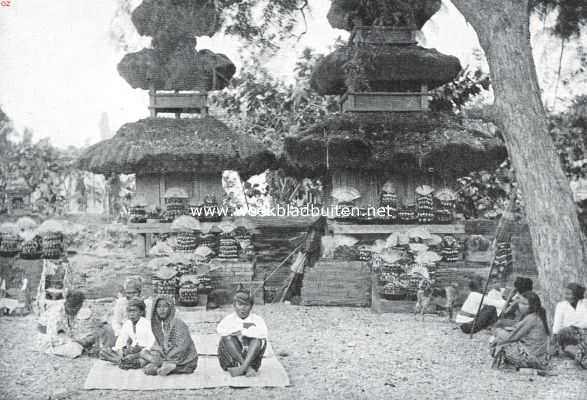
134 336
243 338
570 323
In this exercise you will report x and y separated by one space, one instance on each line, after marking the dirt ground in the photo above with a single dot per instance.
329 353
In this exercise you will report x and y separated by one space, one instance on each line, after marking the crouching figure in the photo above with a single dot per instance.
243 338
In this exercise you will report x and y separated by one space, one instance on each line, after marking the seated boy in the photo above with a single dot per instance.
134 336
243 338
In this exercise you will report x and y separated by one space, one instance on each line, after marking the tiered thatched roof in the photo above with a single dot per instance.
165 145
389 67
388 141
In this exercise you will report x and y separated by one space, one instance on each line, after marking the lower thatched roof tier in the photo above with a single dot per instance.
396 141
166 145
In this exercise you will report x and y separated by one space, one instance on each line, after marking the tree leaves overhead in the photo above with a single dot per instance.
572 15
267 108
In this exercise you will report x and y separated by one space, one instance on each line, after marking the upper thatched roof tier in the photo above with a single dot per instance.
165 145
177 18
346 14
183 69
388 67
396 141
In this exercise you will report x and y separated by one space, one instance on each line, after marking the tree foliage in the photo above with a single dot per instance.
258 104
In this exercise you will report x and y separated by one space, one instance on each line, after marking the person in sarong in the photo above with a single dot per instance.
570 324
526 346
174 351
243 338
134 336
74 327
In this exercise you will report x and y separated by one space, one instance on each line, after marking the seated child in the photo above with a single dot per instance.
243 338
570 324
174 351
132 289
134 336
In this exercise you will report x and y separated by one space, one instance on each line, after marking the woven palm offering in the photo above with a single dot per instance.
31 249
503 260
52 245
188 290
187 242
445 203
165 282
451 251
228 247
408 215
9 246
425 204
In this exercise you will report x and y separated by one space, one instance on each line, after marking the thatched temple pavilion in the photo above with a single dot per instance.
191 150
385 148
385 131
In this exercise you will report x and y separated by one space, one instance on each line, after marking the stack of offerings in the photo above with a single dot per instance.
389 199
9 246
188 290
203 255
228 248
336 283
210 240
165 282
451 252
52 245
503 260
445 204
408 215
138 214
175 207
209 211
425 204
187 242
245 241
31 249
365 252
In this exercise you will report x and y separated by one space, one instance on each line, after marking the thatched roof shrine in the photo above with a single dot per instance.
164 145
396 141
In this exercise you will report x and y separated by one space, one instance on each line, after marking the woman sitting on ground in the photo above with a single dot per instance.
243 338
570 324
511 315
174 351
134 336
526 346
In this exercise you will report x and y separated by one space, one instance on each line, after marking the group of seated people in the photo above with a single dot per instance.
151 337
521 334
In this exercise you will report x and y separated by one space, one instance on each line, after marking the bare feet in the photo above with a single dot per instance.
166 368
251 373
236 371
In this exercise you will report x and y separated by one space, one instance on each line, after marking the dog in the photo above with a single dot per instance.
443 298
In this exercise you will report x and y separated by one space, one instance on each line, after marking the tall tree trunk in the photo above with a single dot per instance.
503 28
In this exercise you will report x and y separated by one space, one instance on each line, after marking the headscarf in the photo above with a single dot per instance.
578 290
162 328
